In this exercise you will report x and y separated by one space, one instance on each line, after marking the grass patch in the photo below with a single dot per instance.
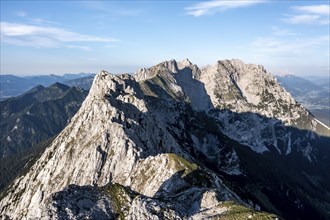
236 212
120 197
182 164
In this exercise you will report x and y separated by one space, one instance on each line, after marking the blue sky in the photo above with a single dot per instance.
43 37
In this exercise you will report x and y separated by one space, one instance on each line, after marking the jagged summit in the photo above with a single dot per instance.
161 144
185 63
58 85
172 66
103 73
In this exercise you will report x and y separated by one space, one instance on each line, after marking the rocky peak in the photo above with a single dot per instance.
58 85
238 87
184 63
171 65
142 74
244 87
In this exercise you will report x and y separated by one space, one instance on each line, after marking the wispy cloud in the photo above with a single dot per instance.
41 21
312 14
307 19
314 9
24 14
215 6
288 47
291 52
40 36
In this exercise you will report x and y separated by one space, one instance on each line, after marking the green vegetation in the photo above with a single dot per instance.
37 116
237 212
19 165
182 164
120 197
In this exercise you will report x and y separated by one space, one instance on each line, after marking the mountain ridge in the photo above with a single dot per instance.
11 86
29 121
152 133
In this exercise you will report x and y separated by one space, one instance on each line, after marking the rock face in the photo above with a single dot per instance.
172 142
248 88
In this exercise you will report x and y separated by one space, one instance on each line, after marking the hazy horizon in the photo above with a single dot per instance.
88 36
305 76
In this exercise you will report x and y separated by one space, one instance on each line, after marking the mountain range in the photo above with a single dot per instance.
314 94
311 91
11 85
175 141
28 121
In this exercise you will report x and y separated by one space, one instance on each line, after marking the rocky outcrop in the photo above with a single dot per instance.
247 88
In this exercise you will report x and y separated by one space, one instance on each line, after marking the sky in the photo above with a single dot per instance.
57 37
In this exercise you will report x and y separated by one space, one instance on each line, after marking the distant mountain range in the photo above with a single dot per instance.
83 82
11 85
32 118
313 93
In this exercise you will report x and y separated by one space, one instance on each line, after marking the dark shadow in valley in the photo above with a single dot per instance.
293 185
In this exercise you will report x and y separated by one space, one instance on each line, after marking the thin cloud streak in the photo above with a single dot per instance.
272 46
39 36
42 21
289 52
314 9
310 15
215 6
307 19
